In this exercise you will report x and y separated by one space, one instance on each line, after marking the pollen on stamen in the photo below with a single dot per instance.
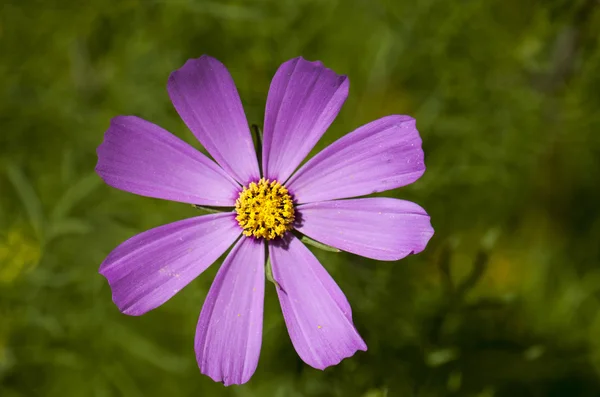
265 209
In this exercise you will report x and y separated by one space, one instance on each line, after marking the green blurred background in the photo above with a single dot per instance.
505 300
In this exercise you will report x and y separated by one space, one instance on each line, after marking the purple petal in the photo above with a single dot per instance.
380 228
316 312
148 269
304 99
382 155
205 97
140 157
229 332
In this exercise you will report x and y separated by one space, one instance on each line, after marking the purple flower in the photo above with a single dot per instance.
304 98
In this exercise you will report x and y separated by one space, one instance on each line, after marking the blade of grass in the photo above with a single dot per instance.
82 188
29 199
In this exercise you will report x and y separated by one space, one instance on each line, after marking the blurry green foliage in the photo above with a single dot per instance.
505 301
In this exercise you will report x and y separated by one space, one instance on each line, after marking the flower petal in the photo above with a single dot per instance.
229 332
148 269
382 155
316 312
379 228
140 157
205 97
304 99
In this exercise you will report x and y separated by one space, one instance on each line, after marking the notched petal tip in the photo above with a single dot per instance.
341 83
317 64
304 98
226 380
382 155
102 148
123 308
229 331
426 237
407 122
192 63
205 96
148 269
379 228
316 312
362 347
140 157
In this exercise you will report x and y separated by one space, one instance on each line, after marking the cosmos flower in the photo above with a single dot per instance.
264 204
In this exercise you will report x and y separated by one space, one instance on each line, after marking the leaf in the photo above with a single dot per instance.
211 210
68 226
441 356
269 273
28 197
534 352
75 194
324 247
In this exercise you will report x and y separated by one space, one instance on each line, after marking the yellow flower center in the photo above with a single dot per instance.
265 209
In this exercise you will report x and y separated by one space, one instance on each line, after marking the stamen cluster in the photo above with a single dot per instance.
265 209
